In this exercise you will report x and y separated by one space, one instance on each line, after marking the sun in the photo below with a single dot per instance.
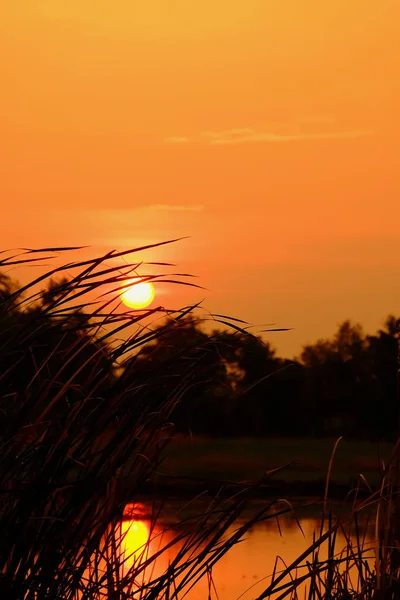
139 294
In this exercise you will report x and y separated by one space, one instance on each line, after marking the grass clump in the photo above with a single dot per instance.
80 437
366 566
82 434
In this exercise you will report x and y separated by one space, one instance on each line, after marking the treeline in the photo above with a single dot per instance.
218 383
343 386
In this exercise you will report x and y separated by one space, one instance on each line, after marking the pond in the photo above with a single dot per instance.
245 571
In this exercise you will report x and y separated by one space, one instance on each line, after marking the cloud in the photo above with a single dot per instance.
243 136
177 207
176 140
127 214
247 135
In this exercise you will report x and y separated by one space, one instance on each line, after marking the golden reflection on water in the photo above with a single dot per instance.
245 569
141 539
135 543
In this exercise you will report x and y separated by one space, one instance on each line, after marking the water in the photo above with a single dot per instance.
245 570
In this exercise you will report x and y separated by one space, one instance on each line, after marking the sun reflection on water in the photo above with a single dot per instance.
149 549
135 544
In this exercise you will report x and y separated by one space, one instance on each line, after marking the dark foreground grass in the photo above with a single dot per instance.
365 567
80 438
79 441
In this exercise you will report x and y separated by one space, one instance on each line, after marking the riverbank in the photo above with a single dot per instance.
189 487
195 464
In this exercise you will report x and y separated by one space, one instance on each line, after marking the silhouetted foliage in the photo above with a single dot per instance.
44 354
346 385
233 383
79 442
351 382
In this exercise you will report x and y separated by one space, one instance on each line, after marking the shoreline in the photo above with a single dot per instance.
186 487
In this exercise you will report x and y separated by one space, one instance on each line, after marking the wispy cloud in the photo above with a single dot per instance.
177 207
247 136
243 136
176 140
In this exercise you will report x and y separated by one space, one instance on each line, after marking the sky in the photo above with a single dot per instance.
266 131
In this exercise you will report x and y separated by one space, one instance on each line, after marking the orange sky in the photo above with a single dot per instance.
267 130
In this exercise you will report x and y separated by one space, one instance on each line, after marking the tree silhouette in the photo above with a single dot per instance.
203 387
232 383
42 353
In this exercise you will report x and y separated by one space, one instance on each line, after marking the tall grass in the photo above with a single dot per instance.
80 436
366 566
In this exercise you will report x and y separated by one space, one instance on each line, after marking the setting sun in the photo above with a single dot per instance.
139 295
